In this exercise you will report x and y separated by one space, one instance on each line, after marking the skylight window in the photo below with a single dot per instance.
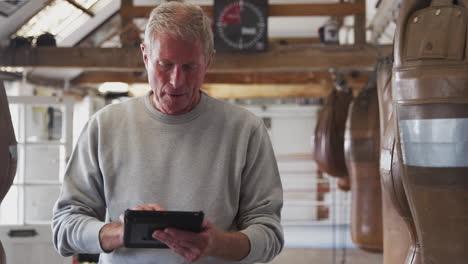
60 18
86 3
93 5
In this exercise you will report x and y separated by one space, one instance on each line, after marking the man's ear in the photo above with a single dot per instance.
211 59
145 55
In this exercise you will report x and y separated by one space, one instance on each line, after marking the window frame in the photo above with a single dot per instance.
66 103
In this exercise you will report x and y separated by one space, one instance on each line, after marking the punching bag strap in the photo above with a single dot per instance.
442 2
407 8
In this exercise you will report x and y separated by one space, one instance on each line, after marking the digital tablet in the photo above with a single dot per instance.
140 225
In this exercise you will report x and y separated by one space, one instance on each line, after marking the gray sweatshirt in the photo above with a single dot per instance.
216 158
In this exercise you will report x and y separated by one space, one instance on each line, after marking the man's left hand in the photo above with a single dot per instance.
190 245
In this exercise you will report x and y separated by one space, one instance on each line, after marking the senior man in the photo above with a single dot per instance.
175 148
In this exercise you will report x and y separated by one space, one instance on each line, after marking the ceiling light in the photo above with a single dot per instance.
12 69
113 87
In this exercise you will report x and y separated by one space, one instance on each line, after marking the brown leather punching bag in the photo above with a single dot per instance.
344 183
430 96
329 131
400 240
362 138
8 156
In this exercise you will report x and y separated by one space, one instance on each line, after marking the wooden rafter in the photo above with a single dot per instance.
222 85
220 78
288 41
82 8
289 58
300 58
316 9
129 32
246 85
226 78
267 90
360 26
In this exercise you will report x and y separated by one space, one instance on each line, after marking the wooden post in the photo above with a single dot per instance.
125 21
360 27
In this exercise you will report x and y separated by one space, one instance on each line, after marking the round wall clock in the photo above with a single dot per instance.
240 25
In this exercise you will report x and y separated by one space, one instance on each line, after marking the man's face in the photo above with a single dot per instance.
176 69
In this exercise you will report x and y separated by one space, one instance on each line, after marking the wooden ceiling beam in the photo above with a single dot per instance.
279 58
247 85
225 91
332 9
279 78
115 59
101 77
288 41
82 8
319 89
226 78
267 78
301 58
316 9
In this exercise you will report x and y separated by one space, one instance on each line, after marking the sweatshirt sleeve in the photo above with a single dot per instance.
79 212
261 200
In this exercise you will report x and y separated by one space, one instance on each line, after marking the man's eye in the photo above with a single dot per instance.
165 65
189 67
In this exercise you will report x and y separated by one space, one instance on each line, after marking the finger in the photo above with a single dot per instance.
186 253
156 207
206 224
197 243
164 237
182 235
167 239
170 241
149 207
189 252
196 248
145 207
138 207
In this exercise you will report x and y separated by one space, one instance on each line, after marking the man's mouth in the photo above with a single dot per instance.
175 95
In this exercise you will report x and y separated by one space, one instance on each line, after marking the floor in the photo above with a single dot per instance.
325 256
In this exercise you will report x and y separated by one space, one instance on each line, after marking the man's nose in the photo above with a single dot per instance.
177 76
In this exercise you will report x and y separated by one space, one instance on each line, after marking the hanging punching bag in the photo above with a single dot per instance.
400 240
430 96
329 131
344 183
8 156
362 159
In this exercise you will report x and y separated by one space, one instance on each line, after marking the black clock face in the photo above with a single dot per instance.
240 25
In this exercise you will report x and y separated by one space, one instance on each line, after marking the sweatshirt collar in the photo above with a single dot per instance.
175 119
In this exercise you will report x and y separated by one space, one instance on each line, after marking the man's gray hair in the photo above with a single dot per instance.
182 20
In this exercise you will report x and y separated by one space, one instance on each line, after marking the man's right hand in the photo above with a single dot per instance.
111 235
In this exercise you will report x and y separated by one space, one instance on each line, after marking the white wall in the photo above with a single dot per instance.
292 128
